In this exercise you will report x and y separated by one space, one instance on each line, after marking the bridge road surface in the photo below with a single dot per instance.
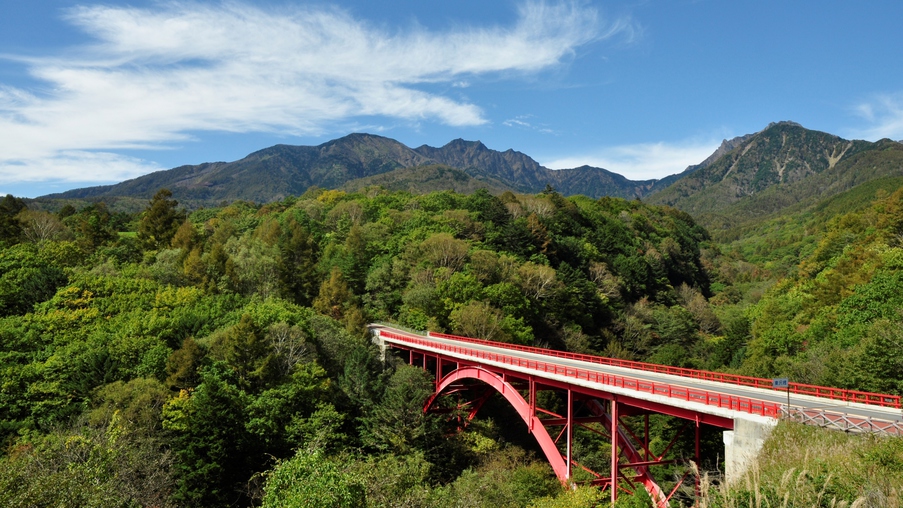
807 403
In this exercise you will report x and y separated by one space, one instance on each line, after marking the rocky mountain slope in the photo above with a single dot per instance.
782 166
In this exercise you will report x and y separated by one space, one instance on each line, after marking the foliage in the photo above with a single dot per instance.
806 466
86 467
161 220
231 349
837 321
309 479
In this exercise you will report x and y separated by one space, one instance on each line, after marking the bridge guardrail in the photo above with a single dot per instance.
878 399
720 400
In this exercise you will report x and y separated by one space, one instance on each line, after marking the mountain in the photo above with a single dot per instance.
779 168
425 179
726 146
523 174
748 177
354 161
269 174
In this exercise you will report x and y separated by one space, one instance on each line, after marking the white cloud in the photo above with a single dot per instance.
76 166
154 75
642 161
884 114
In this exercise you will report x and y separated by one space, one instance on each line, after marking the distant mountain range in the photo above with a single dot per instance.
276 172
750 176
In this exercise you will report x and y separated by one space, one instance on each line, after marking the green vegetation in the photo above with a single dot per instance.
221 358
836 320
806 466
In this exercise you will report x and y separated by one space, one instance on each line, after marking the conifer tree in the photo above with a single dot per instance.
160 221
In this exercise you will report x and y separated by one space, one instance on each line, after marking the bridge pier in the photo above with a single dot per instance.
742 445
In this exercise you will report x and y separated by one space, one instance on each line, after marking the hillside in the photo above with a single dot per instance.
273 173
177 362
425 179
181 361
782 169
269 174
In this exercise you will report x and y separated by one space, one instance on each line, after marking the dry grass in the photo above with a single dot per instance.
802 466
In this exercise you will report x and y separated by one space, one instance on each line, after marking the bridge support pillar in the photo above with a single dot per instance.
742 446
614 451
381 344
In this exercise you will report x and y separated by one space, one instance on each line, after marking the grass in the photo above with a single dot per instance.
802 466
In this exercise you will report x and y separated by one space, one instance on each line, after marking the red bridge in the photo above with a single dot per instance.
600 392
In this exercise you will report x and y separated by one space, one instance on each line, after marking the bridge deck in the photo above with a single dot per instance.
705 396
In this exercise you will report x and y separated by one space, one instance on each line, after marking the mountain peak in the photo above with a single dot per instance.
782 123
766 171
463 144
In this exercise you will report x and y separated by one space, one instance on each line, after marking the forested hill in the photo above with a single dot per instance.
274 173
221 358
170 365
785 168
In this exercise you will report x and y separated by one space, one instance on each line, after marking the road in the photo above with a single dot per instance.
809 404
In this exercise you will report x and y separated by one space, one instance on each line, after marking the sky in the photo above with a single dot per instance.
94 93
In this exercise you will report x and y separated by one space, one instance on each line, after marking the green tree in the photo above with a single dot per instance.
160 221
183 367
397 423
246 349
26 278
210 444
87 468
298 256
335 298
311 480
10 227
93 225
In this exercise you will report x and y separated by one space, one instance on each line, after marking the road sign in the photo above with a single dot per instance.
780 382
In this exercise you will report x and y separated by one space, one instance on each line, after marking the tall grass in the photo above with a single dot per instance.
802 466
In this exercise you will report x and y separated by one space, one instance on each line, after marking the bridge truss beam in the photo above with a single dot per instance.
600 412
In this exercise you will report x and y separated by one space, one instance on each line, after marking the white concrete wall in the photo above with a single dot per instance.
742 446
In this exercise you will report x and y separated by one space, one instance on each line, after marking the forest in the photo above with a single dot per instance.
220 356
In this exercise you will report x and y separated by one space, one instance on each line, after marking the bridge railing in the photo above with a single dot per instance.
878 399
710 398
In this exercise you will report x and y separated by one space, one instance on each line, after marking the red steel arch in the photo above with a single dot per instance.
522 406
536 426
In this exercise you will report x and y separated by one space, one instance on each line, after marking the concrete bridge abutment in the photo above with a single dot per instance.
743 444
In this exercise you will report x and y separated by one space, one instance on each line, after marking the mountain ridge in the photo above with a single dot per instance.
745 178
784 165
278 171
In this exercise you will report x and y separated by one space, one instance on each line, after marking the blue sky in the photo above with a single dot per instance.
96 93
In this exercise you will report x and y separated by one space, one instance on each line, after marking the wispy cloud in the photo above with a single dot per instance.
884 114
153 76
527 122
642 161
